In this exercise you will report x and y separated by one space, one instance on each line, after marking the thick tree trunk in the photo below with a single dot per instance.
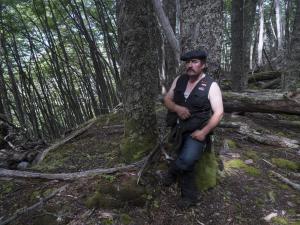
201 28
136 27
262 101
238 77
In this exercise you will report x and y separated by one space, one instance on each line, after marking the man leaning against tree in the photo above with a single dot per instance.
195 108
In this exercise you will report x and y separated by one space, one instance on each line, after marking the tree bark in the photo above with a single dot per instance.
201 28
136 27
238 77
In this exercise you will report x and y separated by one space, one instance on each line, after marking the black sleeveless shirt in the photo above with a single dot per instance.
197 103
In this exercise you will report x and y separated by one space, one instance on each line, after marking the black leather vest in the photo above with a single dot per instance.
197 103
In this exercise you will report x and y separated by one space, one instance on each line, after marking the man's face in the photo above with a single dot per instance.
194 67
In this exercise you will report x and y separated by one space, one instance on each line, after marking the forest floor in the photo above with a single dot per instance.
246 191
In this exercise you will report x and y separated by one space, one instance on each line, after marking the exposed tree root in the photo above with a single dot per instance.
286 180
43 154
65 176
22 211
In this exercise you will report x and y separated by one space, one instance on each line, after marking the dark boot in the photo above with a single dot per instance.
188 186
185 203
171 177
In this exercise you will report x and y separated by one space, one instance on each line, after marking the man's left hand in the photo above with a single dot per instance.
198 135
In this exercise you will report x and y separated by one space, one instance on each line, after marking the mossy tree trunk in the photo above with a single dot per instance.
201 27
139 72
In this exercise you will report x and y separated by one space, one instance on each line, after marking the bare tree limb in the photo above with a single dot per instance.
22 211
43 154
65 176
165 23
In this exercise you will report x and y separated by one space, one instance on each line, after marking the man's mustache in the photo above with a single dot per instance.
190 70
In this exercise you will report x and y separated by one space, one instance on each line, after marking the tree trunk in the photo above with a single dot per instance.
291 79
136 27
261 34
278 26
249 17
201 28
238 77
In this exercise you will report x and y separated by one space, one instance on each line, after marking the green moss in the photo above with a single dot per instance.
252 155
280 221
239 164
109 195
125 219
285 164
207 167
231 143
134 145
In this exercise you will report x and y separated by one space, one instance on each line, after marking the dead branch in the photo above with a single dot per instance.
43 154
286 180
22 211
65 176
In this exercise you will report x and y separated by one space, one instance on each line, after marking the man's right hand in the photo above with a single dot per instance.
182 112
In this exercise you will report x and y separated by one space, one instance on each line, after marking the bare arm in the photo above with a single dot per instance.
181 111
215 98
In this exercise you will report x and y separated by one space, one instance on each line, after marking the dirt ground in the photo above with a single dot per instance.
246 191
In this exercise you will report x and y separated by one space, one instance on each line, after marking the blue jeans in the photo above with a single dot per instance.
190 152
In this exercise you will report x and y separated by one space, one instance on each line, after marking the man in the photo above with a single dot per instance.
195 103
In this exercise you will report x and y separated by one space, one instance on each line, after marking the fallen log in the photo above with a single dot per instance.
23 211
65 176
286 180
269 75
43 154
262 101
260 135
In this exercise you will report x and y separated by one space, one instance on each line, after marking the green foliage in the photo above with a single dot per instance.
239 164
286 164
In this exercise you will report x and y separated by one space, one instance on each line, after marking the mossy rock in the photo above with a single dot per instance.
286 164
280 220
239 164
118 195
206 171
